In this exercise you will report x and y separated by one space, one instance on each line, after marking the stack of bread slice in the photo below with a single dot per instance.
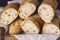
32 25
25 18
51 28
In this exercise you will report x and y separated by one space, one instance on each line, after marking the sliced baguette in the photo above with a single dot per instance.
9 13
27 8
47 10
31 25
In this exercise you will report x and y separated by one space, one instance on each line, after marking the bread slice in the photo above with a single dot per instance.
47 10
51 28
15 27
9 13
32 25
27 8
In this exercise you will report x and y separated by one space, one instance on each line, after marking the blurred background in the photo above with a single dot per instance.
4 2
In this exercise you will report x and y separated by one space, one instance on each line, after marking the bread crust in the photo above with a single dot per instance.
11 5
35 2
15 28
52 3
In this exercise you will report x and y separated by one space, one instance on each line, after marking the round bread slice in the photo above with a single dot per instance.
9 14
51 28
15 27
30 27
47 10
27 8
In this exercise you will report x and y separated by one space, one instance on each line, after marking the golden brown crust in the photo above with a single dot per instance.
56 22
37 19
52 3
12 5
35 2
15 28
54 27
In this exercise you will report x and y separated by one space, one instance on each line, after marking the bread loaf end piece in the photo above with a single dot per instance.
15 27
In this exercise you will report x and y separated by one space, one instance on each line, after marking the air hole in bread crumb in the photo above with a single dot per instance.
44 8
27 30
33 30
47 14
9 15
56 32
6 13
8 21
25 13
